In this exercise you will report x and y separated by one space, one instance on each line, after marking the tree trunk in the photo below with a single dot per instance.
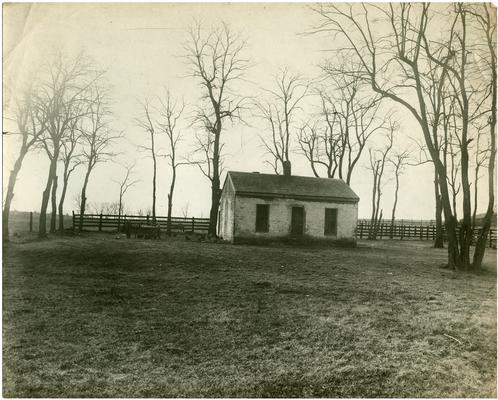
480 247
53 216
215 203
476 180
168 223
439 239
10 193
465 232
378 219
42 229
83 196
119 210
215 186
481 239
393 215
61 201
450 222
348 177
374 211
449 219
65 181
153 180
170 199
377 225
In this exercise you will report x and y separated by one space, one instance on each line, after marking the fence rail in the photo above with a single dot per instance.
418 222
402 229
103 222
412 231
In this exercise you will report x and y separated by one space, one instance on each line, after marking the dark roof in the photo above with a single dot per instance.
296 187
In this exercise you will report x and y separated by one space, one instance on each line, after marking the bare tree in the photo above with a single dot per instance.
124 184
60 95
96 138
453 168
103 208
171 112
400 68
216 60
76 201
71 160
318 146
486 18
424 158
350 116
30 127
279 113
185 210
146 123
398 162
481 158
377 165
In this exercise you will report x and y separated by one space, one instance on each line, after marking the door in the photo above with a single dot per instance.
297 221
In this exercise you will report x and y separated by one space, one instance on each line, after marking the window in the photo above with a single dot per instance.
262 214
331 221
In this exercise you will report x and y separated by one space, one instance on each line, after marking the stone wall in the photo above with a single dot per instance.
280 218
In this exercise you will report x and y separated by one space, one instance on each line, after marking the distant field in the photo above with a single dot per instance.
96 316
19 222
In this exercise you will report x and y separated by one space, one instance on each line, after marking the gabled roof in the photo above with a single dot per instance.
295 187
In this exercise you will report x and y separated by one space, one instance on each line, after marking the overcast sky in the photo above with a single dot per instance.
141 47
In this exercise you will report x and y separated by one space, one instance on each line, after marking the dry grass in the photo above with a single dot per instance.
93 316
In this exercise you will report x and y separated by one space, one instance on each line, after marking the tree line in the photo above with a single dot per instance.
445 79
64 113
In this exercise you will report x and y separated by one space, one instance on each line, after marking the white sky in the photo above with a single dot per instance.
140 45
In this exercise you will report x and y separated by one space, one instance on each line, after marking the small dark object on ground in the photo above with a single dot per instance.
142 231
195 236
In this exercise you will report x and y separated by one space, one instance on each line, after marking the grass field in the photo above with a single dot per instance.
94 316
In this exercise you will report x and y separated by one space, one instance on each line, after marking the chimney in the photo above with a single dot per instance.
287 168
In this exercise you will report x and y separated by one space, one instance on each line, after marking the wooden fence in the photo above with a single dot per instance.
418 222
411 230
105 222
402 229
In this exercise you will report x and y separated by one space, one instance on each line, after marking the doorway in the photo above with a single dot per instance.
297 221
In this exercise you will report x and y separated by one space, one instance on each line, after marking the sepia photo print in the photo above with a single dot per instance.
284 200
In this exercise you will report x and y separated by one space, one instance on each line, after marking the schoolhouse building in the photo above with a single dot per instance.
258 207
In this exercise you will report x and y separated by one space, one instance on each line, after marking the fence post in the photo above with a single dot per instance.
361 230
100 223
490 237
74 219
31 221
193 224
402 232
119 222
147 219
